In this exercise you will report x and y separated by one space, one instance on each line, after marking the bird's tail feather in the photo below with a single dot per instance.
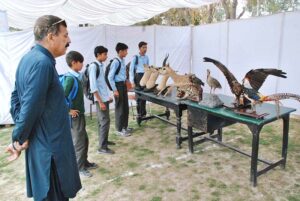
281 96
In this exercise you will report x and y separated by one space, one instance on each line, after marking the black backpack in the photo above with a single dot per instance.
128 67
107 72
86 81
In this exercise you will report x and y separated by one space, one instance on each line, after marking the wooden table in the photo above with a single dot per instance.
210 120
170 102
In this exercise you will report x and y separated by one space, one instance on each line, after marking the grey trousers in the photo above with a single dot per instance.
103 125
80 140
121 107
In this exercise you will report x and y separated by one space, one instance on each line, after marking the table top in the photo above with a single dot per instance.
230 114
170 98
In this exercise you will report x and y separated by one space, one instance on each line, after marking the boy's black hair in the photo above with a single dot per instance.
73 56
141 44
100 50
121 46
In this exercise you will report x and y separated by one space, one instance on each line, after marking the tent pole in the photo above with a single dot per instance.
192 48
279 61
154 39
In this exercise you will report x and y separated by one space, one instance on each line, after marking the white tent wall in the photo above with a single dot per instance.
130 36
175 41
289 57
12 47
241 45
213 46
254 43
83 40
272 41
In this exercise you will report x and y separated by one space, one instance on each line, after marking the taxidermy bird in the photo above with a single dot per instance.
212 82
254 78
255 97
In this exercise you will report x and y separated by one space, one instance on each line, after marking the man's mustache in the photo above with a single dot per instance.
67 45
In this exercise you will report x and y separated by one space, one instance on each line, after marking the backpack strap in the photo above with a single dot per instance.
136 63
119 67
74 90
97 69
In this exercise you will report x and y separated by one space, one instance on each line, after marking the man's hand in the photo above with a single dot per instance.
74 113
102 106
116 94
16 152
132 85
21 147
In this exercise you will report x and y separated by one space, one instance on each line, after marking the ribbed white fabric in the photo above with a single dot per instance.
22 14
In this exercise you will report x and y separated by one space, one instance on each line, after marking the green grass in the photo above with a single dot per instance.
103 171
132 164
294 197
142 187
172 160
156 198
170 190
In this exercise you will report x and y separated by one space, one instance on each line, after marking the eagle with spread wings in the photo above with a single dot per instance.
252 81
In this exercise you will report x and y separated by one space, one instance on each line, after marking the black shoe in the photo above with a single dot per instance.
110 143
105 151
90 166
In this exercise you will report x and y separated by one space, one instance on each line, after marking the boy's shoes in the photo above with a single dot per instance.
90 166
128 130
85 173
123 133
110 143
105 151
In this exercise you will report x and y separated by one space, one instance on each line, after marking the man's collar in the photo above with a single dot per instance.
44 51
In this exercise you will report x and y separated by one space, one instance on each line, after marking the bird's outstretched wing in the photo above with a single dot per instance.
229 76
257 77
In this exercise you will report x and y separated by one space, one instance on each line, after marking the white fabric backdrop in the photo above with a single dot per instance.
22 14
241 45
3 21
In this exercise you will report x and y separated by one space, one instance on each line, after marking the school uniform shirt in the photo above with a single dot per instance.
98 84
121 76
139 67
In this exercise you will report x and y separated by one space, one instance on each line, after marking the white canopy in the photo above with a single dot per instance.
22 14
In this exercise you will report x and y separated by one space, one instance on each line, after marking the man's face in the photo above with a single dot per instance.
143 49
103 56
59 42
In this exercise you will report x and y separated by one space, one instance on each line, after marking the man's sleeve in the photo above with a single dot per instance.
14 104
93 78
33 101
131 69
112 73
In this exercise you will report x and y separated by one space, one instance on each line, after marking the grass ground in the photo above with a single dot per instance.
147 166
